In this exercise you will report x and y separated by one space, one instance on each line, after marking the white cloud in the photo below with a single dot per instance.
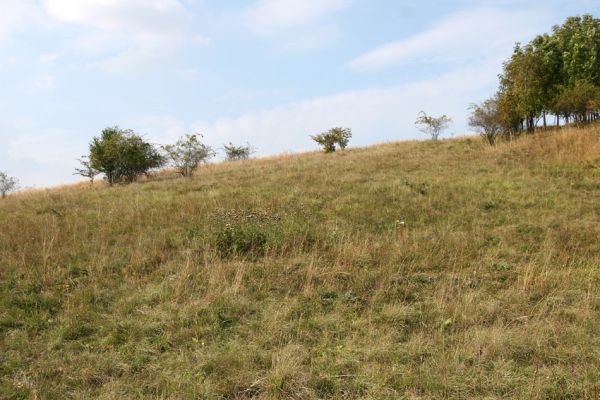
270 16
139 17
17 15
314 39
49 58
40 83
159 128
47 148
38 155
125 35
373 114
463 36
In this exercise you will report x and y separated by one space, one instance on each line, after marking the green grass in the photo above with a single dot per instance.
414 270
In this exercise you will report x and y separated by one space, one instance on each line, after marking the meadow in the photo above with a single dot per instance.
405 270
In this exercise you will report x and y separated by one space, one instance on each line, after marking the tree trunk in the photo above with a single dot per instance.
545 120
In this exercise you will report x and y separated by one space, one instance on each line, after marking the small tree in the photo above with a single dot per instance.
86 169
187 154
485 119
7 184
335 136
122 155
432 126
236 153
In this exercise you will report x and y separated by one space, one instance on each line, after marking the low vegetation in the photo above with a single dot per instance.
432 126
237 153
7 184
334 138
187 154
413 270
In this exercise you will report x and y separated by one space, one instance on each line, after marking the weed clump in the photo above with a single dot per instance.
245 233
241 240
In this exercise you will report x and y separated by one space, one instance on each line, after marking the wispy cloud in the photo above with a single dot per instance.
460 37
126 35
49 58
41 83
271 16
17 15
382 112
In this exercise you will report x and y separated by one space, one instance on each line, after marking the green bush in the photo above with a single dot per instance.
187 154
122 155
332 138
237 153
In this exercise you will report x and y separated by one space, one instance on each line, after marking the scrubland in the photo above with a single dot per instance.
408 270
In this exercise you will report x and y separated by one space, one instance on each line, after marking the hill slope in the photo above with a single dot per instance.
404 270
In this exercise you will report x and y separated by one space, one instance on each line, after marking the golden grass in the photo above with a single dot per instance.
414 270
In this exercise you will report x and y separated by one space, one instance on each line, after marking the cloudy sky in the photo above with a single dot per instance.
267 72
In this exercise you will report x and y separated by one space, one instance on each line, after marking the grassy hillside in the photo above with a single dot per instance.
415 270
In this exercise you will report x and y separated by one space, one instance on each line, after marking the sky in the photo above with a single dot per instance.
265 72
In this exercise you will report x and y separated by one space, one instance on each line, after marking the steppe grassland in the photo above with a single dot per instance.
403 270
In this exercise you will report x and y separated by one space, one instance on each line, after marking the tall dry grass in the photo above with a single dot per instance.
405 270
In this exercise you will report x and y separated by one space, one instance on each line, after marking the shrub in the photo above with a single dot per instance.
335 136
7 184
122 155
486 120
236 153
432 126
188 153
86 169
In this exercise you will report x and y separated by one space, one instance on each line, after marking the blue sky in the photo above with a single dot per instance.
267 72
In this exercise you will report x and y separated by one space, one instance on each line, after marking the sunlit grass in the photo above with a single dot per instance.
403 270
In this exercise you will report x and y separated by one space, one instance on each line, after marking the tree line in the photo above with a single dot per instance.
552 80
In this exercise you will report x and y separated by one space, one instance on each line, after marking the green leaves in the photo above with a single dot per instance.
122 155
557 73
237 153
187 154
335 136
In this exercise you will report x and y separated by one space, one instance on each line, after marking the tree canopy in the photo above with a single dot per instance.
554 74
122 155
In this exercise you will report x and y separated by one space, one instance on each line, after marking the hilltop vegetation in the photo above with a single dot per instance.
556 74
446 269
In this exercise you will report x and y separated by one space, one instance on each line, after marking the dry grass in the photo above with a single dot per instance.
412 270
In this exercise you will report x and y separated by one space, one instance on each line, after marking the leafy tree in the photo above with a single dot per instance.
236 153
578 39
334 137
557 73
122 155
581 102
86 169
485 118
7 184
432 126
187 154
